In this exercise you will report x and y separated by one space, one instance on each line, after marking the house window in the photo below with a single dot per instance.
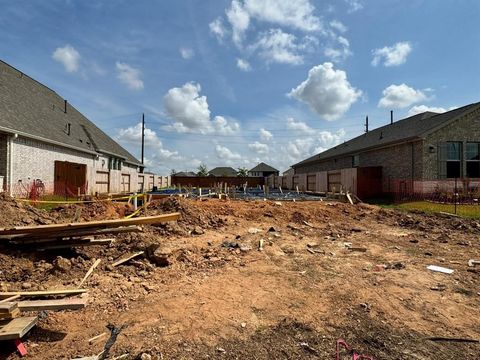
473 160
454 156
114 163
355 160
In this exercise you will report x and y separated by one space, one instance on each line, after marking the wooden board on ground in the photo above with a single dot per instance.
125 259
52 305
66 244
7 307
8 299
89 272
40 229
16 328
43 293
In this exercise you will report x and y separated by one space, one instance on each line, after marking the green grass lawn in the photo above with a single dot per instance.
468 211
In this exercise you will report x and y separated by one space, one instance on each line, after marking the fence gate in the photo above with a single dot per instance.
126 183
334 181
102 182
311 182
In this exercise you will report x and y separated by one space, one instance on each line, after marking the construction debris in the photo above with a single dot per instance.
440 269
127 258
89 272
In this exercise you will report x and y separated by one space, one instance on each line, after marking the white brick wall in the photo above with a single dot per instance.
34 159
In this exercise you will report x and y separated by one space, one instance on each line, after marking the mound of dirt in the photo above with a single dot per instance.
18 213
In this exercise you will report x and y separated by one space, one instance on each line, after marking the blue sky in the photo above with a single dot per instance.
232 83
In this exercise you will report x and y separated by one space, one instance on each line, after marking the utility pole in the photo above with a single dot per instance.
143 138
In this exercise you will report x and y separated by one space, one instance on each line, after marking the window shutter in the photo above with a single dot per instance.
442 160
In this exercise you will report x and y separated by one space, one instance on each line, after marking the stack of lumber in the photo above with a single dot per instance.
13 325
57 236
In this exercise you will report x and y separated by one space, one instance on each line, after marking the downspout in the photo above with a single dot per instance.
413 168
10 163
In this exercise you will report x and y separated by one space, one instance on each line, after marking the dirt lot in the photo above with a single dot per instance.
220 297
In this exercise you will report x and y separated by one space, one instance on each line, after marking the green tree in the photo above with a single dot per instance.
242 172
202 170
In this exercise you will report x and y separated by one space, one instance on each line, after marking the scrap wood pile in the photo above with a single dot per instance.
57 236
13 324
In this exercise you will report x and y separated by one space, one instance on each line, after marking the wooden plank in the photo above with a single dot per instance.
43 293
68 234
16 328
349 198
52 305
89 272
130 257
15 313
40 229
11 298
66 244
8 307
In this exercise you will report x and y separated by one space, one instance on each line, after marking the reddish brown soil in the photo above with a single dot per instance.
280 303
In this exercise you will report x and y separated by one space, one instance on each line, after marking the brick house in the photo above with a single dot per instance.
420 151
263 170
44 139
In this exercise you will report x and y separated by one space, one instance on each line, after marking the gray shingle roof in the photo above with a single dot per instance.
31 109
223 171
413 127
263 167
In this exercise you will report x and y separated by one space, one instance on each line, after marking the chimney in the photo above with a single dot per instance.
391 117
366 124
65 109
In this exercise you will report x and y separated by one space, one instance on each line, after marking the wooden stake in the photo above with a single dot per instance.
130 257
89 272
43 293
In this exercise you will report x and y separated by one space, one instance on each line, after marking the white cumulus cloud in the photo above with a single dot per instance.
400 96
327 91
259 148
299 126
186 53
274 45
392 55
68 56
338 25
129 75
265 135
239 19
423 108
191 113
218 29
243 65
298 14
156 151
225 153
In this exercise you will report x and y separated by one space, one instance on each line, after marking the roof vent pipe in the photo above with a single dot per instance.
366 124
391 117
68 128
65 109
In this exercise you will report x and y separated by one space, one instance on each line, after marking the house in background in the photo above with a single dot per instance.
420 151
44 139
263 170
185 173
223 172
